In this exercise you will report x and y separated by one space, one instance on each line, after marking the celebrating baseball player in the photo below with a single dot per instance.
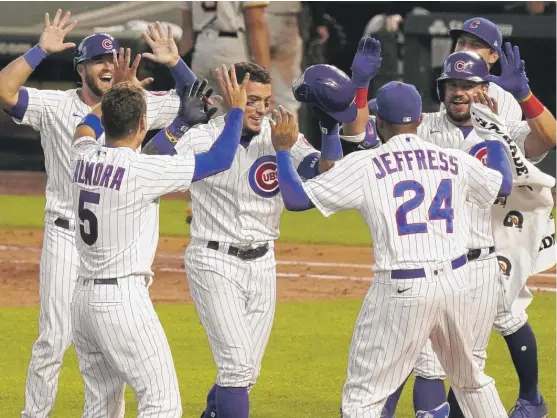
482 36
230 261
465 75
411 194
55 114
116 195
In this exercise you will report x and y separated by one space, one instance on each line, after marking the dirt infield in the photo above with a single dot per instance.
305 272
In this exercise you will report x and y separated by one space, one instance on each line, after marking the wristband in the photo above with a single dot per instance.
531 106
176 129
361 98
331 148
94 122
34 56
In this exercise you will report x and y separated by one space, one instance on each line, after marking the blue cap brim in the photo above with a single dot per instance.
345 116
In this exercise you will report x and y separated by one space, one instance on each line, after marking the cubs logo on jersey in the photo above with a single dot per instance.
479 151
514 219
263 177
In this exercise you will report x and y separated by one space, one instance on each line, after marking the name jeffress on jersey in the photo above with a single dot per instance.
98 174
410 159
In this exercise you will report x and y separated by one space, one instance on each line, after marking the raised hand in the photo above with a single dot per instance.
284 129
52 37
482 97
367 61
123 71
234 95
165 50
513 74
194 101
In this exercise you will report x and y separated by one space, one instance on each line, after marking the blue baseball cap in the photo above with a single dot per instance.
328 88
399 103
484 29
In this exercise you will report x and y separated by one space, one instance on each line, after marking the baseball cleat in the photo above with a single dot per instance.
526 409
442 411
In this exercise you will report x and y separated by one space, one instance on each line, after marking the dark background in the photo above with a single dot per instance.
20 147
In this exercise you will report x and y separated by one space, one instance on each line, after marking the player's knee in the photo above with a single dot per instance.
430 374
507 324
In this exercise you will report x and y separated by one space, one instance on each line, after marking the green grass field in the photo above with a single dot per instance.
305 364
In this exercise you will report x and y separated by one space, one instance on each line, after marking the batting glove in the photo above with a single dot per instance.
194 103
367 61
513 75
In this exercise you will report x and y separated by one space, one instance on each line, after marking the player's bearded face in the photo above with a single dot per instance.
257 107
99 74
457 101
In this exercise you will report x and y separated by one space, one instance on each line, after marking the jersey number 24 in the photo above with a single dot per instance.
439 209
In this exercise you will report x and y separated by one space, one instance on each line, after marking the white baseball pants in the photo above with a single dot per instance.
235 301
57 277
396 320
119 339
484 291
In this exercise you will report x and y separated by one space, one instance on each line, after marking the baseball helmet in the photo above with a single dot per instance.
463 65
483 28
93 46
328 88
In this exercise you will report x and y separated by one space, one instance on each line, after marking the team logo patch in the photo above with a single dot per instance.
460 66
107 43
263 177
474 24
514 219
504 265
479 151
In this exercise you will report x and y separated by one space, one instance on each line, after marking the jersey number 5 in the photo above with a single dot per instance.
86 215
440 208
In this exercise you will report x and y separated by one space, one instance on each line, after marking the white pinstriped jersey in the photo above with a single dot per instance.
411 194
242 205
437 128
116 199
55 114
226 16
507 106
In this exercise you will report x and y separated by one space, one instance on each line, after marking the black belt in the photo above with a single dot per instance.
476 252
224 34
250 254
106 281
62 223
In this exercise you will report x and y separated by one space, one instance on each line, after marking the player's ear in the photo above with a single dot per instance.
143 123
493 57
80 70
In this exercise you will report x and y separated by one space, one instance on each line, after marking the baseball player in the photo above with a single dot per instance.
482 36
55 114
230 260
224 32
411 194
117 334
465 74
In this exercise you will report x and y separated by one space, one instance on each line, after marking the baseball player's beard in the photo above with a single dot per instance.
96 90
457 117
248 133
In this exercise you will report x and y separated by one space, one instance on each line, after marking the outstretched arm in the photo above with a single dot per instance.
16 73
541 122
165 51
293 193
365 66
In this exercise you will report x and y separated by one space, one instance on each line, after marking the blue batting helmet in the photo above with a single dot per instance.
328 88
95 45
464 65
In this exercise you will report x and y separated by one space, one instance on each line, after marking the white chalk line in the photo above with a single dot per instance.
279 262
